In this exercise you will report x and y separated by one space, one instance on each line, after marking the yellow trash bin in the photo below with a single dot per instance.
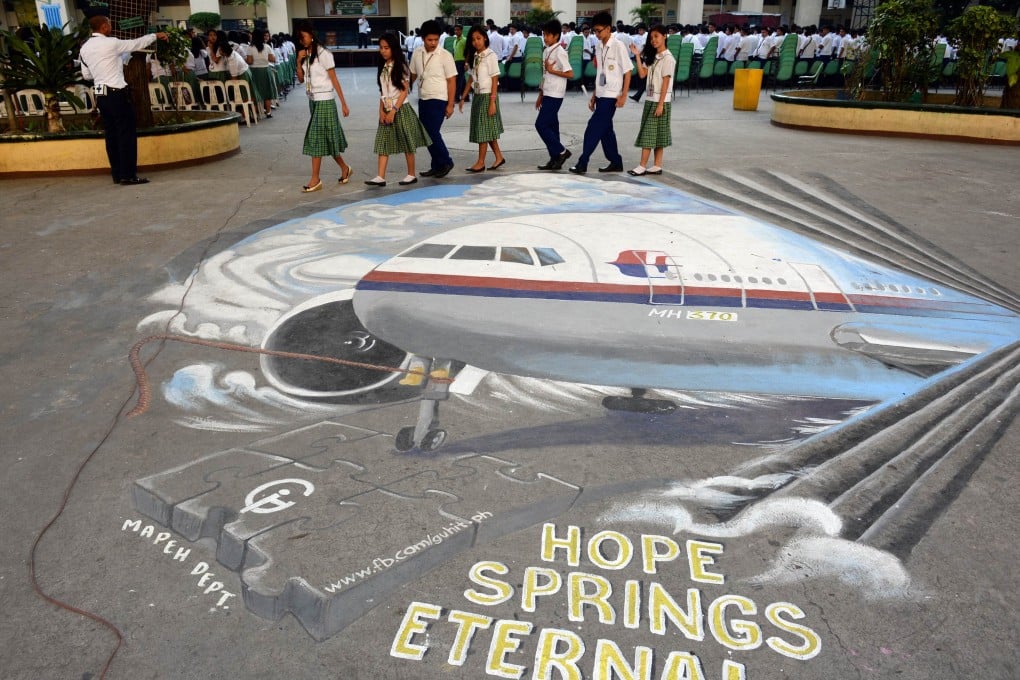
746 88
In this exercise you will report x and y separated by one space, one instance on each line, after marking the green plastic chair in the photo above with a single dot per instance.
707 70
448 44
532 65
575 53
737 63
801 67
673 43
785 64
684 59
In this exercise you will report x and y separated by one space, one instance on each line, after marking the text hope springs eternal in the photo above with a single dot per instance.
591 595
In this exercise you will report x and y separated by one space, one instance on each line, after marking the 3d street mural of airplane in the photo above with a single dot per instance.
640 300
581 289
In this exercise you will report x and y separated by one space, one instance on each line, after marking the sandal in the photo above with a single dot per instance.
309 189
346 177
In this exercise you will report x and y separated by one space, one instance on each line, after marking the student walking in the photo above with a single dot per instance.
612 80
556 72
656 65
486 122
399 129
324 136
436 94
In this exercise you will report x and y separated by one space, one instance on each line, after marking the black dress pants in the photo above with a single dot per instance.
121 135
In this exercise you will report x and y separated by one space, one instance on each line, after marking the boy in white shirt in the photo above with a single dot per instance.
556 72
612 81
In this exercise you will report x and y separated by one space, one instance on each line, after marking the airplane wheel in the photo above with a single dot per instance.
405 439
433 440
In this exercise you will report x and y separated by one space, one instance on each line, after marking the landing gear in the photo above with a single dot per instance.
638 403
426 434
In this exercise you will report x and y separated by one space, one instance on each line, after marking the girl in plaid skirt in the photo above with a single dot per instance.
486 123
657 65
399 129
324 136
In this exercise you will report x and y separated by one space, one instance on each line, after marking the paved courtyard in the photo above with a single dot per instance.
774 506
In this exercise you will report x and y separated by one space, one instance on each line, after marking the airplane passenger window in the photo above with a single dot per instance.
484 253
430 250
548 256
738 279
934 291
766 280
752 279
725 277
698 277
711 277
781 282
515 254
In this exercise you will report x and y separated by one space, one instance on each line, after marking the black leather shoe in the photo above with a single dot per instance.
577 169
427 173
548 165
561 159
612 167
443 171
134 180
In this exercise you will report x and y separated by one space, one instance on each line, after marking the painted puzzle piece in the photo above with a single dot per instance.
325 521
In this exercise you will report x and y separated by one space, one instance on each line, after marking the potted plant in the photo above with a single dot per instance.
205 21
446 9
48 65
645 12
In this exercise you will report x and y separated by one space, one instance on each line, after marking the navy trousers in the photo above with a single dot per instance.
548 125
121 135
600 131
432 113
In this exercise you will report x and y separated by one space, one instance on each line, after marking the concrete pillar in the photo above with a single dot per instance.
420 12
751 6
497 10
621 12
807 12
786 11
278 16
209 6
567 10
691 12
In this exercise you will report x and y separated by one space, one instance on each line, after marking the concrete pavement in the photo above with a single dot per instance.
86 262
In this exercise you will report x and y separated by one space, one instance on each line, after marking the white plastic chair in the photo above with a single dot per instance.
241 99
31 102
158 98
83 93
214 95
183 96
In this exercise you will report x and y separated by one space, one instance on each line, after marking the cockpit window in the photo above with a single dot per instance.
548 256
515 254
484 253
430 250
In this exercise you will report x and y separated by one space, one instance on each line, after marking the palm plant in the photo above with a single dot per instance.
48 65
646 11
446 8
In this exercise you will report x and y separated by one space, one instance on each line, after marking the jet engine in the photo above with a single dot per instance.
327 326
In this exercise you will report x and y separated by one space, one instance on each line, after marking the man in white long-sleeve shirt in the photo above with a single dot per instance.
102 62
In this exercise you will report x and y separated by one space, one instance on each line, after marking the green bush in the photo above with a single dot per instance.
977 32
902 34
205 21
